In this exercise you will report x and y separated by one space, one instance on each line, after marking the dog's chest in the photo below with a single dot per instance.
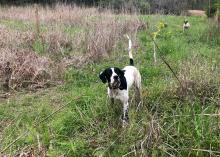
186 25
116 93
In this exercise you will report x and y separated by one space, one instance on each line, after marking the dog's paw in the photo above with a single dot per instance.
124 123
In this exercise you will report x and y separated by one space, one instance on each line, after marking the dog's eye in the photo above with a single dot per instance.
116 77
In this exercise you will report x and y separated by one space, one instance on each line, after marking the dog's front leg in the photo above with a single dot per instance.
124 99
112 101
125 117
110 95
125 113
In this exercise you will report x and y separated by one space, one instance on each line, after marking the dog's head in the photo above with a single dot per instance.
113 76
185 21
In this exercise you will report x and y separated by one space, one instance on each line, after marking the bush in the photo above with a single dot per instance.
212 10
143 6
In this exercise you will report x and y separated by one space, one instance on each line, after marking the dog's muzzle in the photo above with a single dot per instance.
115 85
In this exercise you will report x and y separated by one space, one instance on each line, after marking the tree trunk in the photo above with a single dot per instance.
216 17
155 56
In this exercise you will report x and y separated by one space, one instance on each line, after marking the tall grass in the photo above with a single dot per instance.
61 36
173 121
212 33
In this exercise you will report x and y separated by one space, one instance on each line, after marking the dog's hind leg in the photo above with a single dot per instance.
138 98
138 92
137 85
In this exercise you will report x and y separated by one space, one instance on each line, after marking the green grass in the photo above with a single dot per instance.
90 126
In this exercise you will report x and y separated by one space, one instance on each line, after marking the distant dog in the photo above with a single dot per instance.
120 81
186 25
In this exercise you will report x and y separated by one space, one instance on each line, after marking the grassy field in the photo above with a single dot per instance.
172 121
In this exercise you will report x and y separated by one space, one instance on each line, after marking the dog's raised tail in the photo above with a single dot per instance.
130 51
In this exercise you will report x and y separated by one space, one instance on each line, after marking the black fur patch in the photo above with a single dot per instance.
121 73
185 21
105 75
131 62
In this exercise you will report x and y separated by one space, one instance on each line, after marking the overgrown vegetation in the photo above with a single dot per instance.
213 9
128 6
76 118
39 47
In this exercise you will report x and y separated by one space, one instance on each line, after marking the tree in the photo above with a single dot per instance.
143 6
213 8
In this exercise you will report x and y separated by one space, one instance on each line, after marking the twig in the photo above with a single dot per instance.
37 21
113 142
13 142
10 124
187 115
133 151
167 153
155 56
110 146
36 124
164 60
142 144
171 147
200 150
39 144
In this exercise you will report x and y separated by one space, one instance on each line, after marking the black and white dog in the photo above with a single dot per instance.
186 25
119 82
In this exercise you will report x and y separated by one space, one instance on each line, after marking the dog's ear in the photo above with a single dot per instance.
103 76
119 72
122 72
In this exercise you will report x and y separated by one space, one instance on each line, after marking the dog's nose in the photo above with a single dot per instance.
116 77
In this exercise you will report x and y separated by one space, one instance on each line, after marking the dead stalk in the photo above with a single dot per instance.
37 22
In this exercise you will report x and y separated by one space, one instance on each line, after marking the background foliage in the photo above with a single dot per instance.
144 6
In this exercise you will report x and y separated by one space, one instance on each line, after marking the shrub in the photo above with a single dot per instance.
214 7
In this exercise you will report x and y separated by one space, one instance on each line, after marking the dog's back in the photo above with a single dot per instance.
132 76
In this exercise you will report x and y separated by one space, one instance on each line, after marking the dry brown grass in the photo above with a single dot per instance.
200 80
46 44
103 37
59 13
27 66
